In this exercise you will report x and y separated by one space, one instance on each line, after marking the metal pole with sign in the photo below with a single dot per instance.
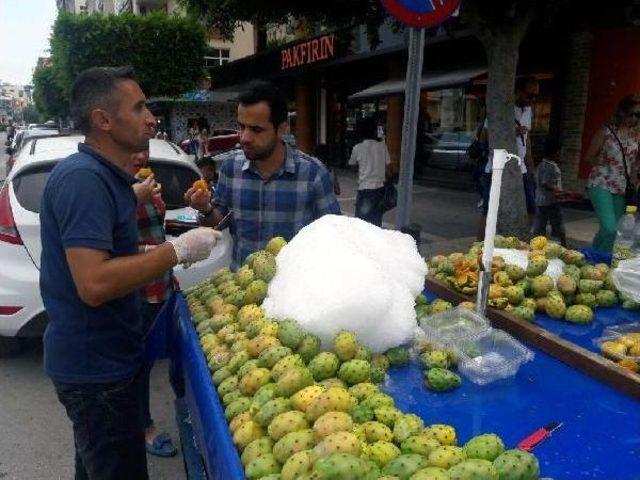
410 126
418 14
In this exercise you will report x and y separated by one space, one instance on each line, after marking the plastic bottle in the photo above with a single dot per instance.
623 246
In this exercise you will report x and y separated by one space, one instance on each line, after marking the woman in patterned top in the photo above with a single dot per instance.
151 212
615 145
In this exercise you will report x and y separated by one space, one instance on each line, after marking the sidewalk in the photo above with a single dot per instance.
449 218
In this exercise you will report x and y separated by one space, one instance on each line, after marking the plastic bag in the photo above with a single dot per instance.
626 278
520 258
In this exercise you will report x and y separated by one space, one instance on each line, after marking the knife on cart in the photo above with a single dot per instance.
537 437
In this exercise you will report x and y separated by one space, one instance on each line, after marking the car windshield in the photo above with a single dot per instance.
29 184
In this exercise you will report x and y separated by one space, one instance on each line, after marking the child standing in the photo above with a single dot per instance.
548 193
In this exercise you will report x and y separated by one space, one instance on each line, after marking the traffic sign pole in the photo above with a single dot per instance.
410 126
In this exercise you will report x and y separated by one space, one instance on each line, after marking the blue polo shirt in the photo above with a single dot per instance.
88 202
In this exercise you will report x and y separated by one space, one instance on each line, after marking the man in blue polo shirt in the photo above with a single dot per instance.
91 271
271 188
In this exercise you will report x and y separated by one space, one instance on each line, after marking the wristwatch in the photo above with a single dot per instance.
203 216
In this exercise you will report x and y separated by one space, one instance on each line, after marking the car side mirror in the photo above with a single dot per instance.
9 151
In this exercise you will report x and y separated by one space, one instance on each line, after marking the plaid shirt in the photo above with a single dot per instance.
151 232
296 195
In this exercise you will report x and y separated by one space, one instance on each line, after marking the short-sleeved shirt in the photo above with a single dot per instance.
523 117
300 192
88 202
372 157
547 173
610 176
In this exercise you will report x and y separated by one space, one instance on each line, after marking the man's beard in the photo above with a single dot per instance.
263 154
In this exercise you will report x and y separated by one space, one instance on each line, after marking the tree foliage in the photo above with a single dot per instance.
227 15
49 98
166 51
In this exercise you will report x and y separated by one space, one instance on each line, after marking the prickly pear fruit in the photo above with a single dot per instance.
290 333
345 344
293 380
262 466
339 442
406 426
252 381
446 456
271 409
287 422
309 347
355 371
291 443
485 447
382 452
405 465
303 398
444 434
420 444
269 357
247 433
256 448
517 465
324 365
297 464
332 422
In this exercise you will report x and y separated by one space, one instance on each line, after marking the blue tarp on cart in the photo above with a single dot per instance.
599 439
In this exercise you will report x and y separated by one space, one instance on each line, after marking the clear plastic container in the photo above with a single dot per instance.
619 330
623 246
491 356
451 327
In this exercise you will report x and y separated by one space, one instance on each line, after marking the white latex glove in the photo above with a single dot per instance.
195 245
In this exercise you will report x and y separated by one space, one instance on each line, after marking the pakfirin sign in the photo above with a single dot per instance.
308 52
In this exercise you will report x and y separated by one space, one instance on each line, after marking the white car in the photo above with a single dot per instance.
22 312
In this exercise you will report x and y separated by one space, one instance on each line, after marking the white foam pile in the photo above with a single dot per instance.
343 273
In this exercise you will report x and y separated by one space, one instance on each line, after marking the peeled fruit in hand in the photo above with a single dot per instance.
144 172
200 185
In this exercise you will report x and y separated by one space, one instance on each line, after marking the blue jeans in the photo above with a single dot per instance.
369 205
107 429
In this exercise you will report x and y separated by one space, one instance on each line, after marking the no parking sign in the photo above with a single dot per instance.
421 13
418 14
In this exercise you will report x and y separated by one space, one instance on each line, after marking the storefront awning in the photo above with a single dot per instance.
430 81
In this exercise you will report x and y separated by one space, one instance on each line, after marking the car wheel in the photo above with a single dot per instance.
9 346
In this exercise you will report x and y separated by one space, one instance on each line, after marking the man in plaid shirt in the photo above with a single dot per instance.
270 188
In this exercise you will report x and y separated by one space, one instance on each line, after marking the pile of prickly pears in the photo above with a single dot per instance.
524 291
296 412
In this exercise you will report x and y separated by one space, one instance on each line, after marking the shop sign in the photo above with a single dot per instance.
312 51
421 13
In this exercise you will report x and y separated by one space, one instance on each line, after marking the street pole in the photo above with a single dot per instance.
410 125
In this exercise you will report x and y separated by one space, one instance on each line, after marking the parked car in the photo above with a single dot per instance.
22 138
447 150
221 140
22 312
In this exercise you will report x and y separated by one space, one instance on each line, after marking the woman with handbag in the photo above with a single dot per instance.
613 179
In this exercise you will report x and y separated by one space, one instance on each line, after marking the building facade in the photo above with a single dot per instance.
585 66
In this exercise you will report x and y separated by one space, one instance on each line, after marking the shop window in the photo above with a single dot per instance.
216 57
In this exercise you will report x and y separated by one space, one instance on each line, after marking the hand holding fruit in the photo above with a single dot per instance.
146 189
198 197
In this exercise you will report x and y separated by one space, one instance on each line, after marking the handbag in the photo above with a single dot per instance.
630 192
476 150
389 196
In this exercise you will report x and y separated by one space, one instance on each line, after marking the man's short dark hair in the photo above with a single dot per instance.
522 82
552 145
261 91
93 88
